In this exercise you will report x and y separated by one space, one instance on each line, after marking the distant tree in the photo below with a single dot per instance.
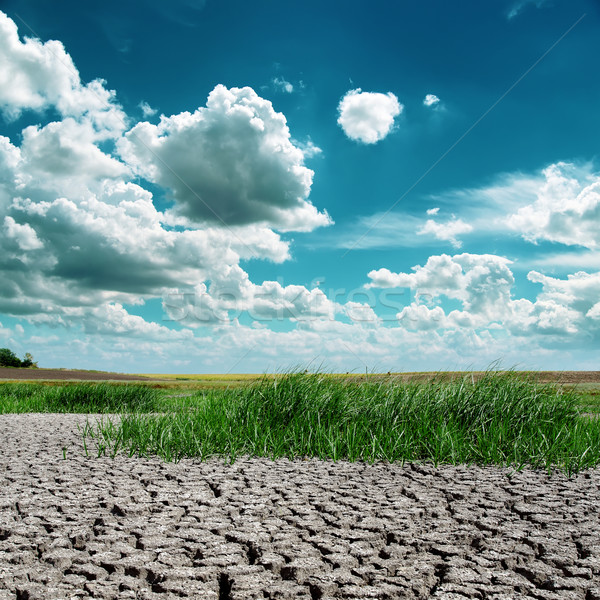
8 358
28 361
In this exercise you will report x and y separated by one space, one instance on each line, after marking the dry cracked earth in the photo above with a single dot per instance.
88 527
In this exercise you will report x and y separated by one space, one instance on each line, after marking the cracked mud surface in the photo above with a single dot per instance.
88 527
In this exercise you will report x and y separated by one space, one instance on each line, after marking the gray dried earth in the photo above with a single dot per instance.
89 527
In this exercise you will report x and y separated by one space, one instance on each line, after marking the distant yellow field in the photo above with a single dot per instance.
200 381
234 380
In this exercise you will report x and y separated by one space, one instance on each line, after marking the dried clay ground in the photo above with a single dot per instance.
77 526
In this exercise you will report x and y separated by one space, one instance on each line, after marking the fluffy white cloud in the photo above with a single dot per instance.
579 291
431 100
32 74
295 302
384 278
231 293
566 210
231 163
360 312
420 317
282 85
543 316
36 75
66 150
446 231
439 273
594 312
114 320
368 117
24 235
147 110
482 282
114 245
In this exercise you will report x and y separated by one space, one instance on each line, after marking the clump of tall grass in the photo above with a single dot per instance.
500 419
77 398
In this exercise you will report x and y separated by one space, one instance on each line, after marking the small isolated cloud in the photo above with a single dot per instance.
282 85
517 7
308 148
446 231
431 100
368 117
433 211
147 110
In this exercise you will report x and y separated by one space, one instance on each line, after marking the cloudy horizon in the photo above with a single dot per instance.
294 187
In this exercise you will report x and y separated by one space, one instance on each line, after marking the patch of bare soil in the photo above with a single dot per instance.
86 527
65 374
569 376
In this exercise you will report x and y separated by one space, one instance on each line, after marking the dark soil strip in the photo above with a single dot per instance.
65 374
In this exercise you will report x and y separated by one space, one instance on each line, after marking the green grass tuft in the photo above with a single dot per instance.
501 418
77 398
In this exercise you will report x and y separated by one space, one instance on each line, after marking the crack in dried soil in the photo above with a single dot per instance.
88 527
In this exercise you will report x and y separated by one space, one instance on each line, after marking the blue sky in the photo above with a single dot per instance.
203 186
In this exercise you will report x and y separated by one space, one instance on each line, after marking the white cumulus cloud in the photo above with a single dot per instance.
368 117
24 235
35 75
231 162
482 282
594 312
113 319
431 100
566 210
420 317
446 231
67 150
231 292
147 110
